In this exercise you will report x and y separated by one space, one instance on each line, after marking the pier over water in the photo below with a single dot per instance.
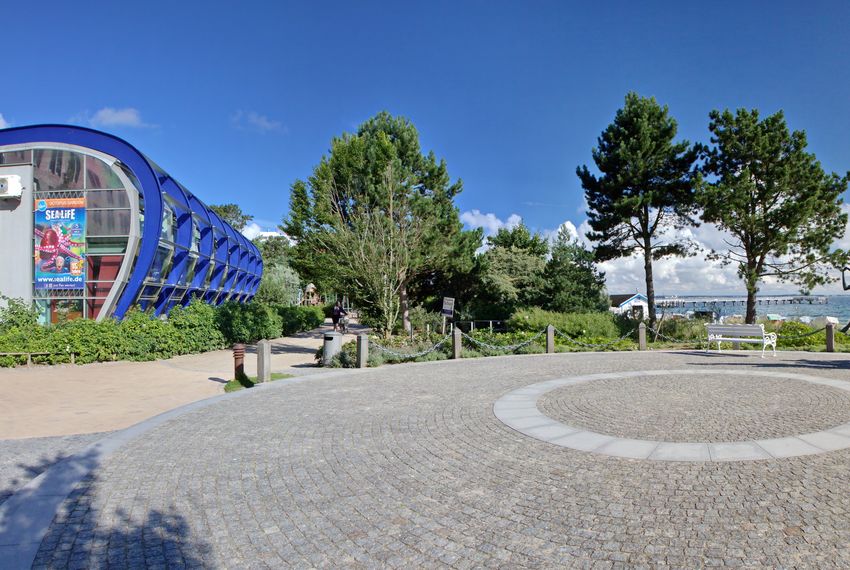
707 302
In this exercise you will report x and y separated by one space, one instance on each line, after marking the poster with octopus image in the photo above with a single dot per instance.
60 243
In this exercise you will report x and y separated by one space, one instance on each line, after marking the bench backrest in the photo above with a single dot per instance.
736 330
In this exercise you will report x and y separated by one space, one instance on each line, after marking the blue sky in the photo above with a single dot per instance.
237 100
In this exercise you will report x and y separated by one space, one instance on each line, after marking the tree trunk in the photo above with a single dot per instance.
752 289
405 308
751 306
650 286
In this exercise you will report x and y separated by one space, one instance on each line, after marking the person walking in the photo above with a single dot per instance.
336 314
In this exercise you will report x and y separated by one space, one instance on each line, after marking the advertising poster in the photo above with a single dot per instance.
60 243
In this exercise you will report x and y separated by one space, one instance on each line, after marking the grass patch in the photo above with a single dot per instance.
249 381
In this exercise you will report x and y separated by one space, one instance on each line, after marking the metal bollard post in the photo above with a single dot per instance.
362 350
642 336
550 339
830 337
264 361
239 360
456 343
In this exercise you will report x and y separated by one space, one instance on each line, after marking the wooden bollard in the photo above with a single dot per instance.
830 337
238 360
642 336
550 339
457 341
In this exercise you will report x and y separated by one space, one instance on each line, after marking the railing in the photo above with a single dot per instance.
29 355
458 336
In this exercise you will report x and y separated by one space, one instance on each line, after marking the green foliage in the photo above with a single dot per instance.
575 325
199 327
297 319
377 188
421 319
519 237
248 322
275 250
510 278
250 381
782 209
232 214
196 327
797 335
16 314
680 329
137 337
279 284
645 186
571 283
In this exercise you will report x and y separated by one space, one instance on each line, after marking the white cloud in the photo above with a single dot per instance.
112 117
253 121
252 230
4 124
490 222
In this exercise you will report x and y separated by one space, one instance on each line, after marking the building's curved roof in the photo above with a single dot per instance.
154 183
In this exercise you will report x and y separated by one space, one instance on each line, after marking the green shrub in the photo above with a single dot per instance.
248 322
793 335
196 327
297 319
421 319
16 314
680 329
199 327
574 325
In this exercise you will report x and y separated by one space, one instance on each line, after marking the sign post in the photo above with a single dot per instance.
448 310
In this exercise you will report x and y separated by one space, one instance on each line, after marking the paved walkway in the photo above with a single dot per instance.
408 466
66 400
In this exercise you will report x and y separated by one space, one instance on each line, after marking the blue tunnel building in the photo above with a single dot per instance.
90 227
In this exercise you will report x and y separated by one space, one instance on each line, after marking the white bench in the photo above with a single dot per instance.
740 333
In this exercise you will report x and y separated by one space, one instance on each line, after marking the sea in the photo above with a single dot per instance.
837 306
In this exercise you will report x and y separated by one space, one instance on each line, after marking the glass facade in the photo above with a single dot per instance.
190 253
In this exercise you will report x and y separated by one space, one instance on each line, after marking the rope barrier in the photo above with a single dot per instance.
798 336
507 347
679 340
589 345
570 340
408 355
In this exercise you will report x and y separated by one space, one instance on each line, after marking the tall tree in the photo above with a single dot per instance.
572 284
376 251
351 180
232 214
782 210
645 187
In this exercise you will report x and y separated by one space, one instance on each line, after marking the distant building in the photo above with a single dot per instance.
635 305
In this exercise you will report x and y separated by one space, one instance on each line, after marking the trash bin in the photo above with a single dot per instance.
332 346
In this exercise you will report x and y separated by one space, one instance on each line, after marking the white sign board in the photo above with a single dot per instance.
448 307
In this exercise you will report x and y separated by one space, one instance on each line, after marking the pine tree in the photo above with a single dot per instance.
782 209
645 187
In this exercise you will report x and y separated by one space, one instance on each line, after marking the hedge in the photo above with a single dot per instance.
199 327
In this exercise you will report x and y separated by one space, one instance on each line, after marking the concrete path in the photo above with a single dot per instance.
65 400
408 466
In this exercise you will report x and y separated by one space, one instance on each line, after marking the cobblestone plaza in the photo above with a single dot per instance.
409 466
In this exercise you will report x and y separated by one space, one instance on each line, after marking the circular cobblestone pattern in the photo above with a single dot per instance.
700 408
408 467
